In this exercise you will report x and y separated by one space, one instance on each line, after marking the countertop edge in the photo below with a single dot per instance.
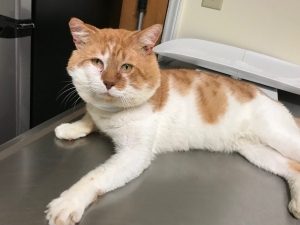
15 144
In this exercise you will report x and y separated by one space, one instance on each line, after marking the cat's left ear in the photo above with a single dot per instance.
149 36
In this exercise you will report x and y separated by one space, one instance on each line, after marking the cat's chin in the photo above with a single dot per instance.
107 96
108 108
114 104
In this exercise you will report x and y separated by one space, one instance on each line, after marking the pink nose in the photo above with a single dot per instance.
108 84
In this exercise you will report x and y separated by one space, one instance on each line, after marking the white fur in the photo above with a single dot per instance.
261 130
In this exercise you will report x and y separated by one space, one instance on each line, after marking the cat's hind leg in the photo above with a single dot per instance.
276 127
268 159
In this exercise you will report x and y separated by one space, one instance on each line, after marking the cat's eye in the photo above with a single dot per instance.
97 62
126 68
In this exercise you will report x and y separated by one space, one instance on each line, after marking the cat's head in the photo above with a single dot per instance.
114 67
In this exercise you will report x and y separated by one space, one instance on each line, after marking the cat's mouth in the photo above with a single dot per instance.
107 94
104 95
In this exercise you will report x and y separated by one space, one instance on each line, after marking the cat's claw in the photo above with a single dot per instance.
294 208
64 210
69 131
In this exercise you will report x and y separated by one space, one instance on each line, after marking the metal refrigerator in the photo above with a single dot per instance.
15 50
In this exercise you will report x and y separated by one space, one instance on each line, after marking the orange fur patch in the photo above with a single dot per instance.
242 90
211 89
297 120
212 100
159 99
182 79
294 165
212 103
111 75
121 84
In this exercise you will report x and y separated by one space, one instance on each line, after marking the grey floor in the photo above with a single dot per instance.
190 188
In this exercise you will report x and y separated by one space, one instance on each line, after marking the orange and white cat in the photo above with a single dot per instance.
147 111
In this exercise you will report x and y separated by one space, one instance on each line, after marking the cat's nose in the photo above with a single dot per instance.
108 84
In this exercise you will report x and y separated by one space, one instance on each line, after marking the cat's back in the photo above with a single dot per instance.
211 91
202 107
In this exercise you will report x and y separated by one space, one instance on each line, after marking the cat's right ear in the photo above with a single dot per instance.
80 32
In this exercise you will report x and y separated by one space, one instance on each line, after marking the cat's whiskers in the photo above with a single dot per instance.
68 96
75 103
63 92
73 97
65 86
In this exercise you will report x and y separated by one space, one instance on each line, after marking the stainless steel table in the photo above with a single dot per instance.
191 188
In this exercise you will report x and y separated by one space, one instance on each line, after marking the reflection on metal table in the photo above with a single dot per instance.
191 188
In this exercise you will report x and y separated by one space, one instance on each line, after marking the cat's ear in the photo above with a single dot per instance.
80 32
149 36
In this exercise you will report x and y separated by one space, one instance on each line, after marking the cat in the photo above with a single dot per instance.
147 111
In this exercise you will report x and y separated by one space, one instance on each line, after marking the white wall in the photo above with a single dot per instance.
271 27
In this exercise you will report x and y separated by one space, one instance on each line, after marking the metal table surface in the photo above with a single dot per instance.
192 188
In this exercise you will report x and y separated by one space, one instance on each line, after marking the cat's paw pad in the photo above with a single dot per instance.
64 211
294 208
69 131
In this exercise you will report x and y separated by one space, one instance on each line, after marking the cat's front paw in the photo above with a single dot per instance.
294 208
64 210
70 131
